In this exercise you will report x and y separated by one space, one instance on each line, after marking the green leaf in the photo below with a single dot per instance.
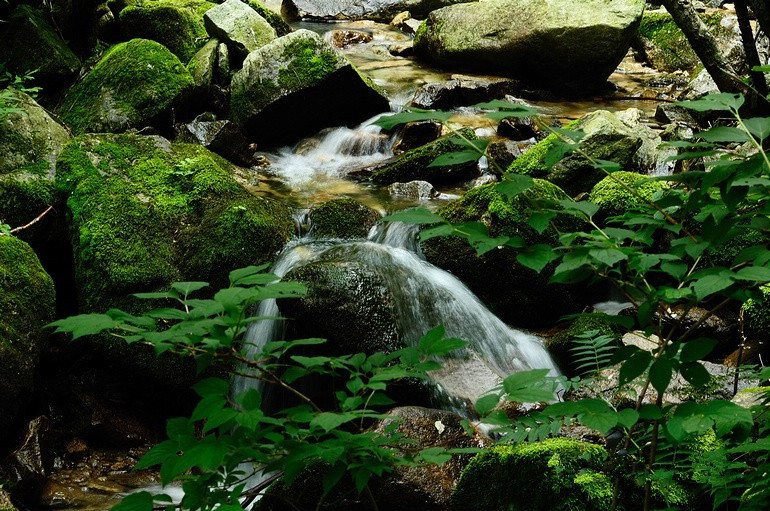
456 158
759 127
414 216
434 343
714 103
650 412
598 415
754 274
236 276
710 284
436 455
212 387
486 404
85 324
186 288
628 417
437 231
635 366
141 501
388 122
660 374
514 184
724 134
329 421
537 257
608 256
695 373
697 349
528 386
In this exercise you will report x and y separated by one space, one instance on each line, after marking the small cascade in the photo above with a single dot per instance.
425 296
332 155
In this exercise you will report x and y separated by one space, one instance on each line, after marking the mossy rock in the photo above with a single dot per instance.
130 87
347 303
176 24
293 75
666 46
202 68
614 198
559 345
146 212
30 141
519 295
342 218
27 303
726 252
30 43
756 316
631 145
276 21
413 165
556 474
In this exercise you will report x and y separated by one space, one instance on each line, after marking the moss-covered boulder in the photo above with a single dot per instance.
415 165
176 24
557 474
545 43
30 141
517 294
624 191
145 212
297 85
347 303
30 43
203 69
608 136
131 87
276 21
27 302
666 48
342 218
239 26
561 344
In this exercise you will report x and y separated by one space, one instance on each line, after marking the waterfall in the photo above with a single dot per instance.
425 296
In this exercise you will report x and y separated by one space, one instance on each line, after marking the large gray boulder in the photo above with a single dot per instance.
239 26
567 46
377 10
297 85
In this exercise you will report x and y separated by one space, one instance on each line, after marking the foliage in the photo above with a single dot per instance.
231 438
18 82
697 213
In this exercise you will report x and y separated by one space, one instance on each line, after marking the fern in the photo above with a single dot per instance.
592 352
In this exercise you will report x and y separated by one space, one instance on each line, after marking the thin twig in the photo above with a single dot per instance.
33 222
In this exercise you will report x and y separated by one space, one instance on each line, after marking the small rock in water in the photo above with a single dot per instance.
402 50
502 154
343 38
401 18
417 190
462 91
517 128
484 179
416 134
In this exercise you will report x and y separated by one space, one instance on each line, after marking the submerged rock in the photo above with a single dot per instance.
416 134
131 87
342 218
27 302
463 91
549 44
239 26
293 76
176 24
30 141
416 190
377 10
517 294
343 38
30 43
347 303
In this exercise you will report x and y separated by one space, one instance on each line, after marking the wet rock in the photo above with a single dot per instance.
517 294
30 43
667 113
130 87
517 128
377 10
280 80
30 141
404 50
276 21
710 325
416 190
347 303
405 23
700 86
484 179
414 165
416 134
535 42
177 25
239 26
342 218
222 137
27 302
502 154
203 69
29 464
463 91
343 38
224 71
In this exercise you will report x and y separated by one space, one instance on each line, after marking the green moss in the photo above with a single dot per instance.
308 64
557 474
668 48
725 253
414 165
30 43
343 218
276 21
559 345
614 199
134 82
532 162
756 316
27 301
176 24
145 213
